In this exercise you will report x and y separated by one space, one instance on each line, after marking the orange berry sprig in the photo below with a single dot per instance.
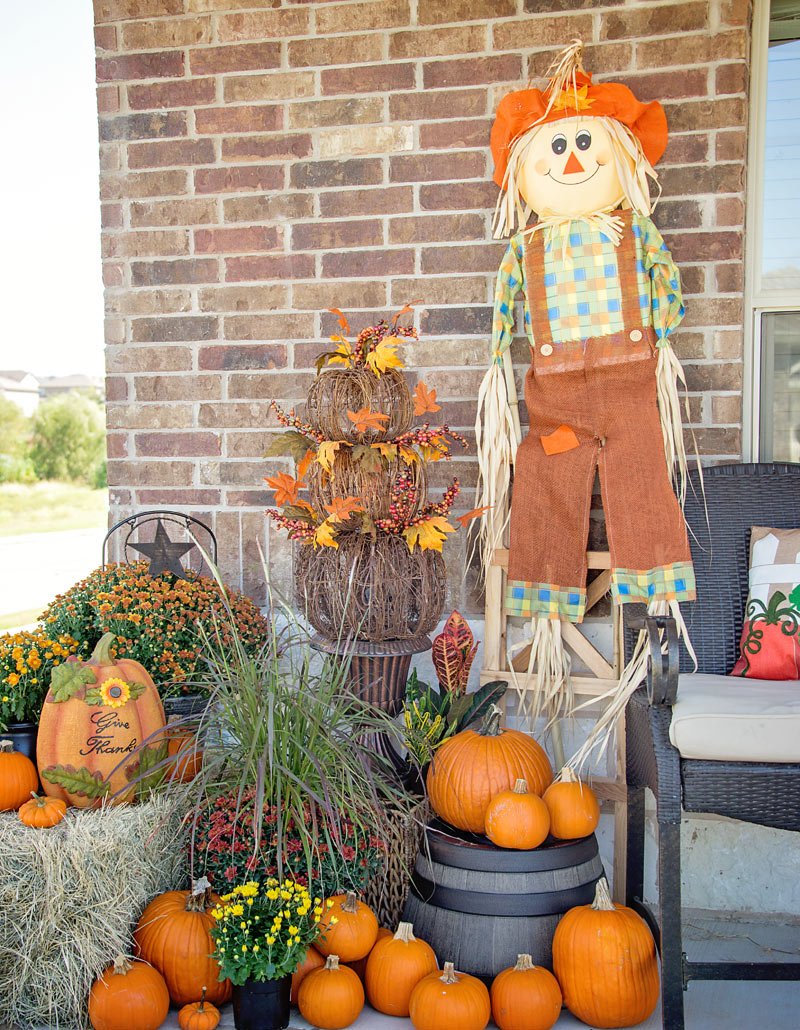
290 420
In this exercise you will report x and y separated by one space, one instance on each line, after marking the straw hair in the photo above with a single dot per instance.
546 687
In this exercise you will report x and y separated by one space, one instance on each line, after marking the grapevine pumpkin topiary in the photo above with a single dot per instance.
18 779
128 994
199 1015
331 997
604 958
447 1000
525 997
95 720
351 931
42 812
174 935
474 765
517 819
573 806
312 961
394 968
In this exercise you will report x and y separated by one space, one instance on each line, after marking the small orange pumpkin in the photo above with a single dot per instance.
351 931
184 750
517 819
604 957
128 994
312 961
359 967
394 968
42 812
573 806
18 778
199 1015
332 997
447 1000
525 997
474 765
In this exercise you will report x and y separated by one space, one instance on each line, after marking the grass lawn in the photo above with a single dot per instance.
48 507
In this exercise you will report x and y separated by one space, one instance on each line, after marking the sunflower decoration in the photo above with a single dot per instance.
114 692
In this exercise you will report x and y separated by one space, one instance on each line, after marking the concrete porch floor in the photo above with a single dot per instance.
710 1005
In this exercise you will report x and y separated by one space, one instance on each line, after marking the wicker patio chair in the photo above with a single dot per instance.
764 791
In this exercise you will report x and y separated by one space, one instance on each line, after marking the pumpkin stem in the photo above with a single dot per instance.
567 775
102 650
202 1005
524 962
521 787
449 974
40 800
200 896
6 746
602 897
122 965
350 903
405 933
332 962
491 722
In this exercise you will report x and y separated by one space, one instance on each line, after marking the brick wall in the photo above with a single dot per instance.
261 162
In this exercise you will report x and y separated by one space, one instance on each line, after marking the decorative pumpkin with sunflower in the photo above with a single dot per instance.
99 730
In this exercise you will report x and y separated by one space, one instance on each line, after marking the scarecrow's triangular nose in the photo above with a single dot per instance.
573 165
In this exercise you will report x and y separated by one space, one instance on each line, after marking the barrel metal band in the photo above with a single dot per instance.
459 854
477 903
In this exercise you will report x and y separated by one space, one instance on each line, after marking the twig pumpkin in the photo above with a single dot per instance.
394 968
573 806
447 1000
525 997
331 997
604 958
474 765
42 812
18 779
517 819
351 929
128 994
312 961
199 1015
174 935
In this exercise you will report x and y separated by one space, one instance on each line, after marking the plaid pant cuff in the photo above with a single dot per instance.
530 599
673 582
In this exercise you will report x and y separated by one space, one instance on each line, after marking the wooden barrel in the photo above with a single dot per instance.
480 906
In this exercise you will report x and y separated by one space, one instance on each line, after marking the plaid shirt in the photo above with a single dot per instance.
584 298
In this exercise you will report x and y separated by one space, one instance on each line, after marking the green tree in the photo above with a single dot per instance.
15 432
68 438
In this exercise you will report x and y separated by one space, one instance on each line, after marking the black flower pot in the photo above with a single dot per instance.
262 1004
23 736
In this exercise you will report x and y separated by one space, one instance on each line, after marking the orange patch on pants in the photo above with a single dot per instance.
562 439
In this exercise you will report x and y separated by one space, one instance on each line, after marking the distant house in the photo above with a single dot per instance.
51 385
22 388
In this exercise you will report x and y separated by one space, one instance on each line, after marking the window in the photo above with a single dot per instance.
774 258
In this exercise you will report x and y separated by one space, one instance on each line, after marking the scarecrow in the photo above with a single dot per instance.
601 297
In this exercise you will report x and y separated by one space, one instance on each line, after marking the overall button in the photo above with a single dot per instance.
635 335
546 349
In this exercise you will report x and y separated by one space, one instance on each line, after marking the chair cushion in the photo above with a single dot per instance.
770 647
719 718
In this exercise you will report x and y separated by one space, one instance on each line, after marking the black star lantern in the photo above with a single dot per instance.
164 554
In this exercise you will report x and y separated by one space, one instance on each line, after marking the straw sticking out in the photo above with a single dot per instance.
668 373
546 688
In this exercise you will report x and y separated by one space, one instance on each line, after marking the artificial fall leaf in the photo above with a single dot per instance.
290 443
404 311
365 419
304 463
476 513
424 399
408 454
343 355
430 534
384 356
326 453
386 450
368 459
431 453
286 488
325 535
343 323
573 99
301 510
342 508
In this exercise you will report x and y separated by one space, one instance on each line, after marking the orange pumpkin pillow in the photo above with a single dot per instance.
770 645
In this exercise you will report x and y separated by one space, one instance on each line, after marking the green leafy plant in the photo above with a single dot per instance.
27 660
68 440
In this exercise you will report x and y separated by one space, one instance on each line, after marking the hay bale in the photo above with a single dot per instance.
68 899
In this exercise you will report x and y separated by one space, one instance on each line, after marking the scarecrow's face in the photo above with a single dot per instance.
569 169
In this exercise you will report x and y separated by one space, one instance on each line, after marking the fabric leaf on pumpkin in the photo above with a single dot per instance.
286 488
365 419
325 534
424 399
69 679
326 453
366 457
384 356
342 508
430 534
77 781
291 444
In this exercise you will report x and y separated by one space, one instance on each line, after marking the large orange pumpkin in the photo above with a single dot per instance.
351 929
447 1000
359 967
574 810
394 968
517 819
174 935
184 749
94 719
18 779
332 997
128 994
474 765
604 958
525 997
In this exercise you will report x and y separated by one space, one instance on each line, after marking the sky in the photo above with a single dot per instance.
51 295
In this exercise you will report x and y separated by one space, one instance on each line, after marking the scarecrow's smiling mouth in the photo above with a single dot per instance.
577 182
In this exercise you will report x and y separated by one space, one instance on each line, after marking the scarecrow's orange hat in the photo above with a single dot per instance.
575 96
